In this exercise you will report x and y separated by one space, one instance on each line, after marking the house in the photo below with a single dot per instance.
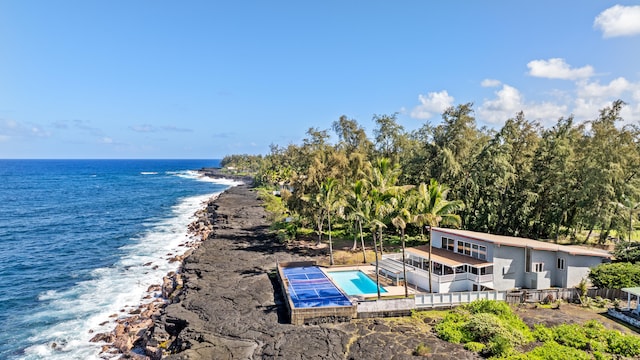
465 260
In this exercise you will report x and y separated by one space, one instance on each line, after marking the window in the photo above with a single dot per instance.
561 263
448 244
527 260
482 252
470 249
538 267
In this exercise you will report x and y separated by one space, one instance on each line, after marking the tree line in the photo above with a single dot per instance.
570 180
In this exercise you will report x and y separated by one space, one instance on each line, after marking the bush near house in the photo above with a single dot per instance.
492 329
491 323
615 275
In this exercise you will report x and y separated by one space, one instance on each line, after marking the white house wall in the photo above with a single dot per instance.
508 267
578 268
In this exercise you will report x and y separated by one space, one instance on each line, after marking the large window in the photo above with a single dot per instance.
448 244
473 250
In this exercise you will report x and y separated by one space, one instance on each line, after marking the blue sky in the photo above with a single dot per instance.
203 79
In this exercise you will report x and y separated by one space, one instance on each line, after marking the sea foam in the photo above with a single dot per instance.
92 306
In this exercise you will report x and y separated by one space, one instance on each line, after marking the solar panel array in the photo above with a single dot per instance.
310 287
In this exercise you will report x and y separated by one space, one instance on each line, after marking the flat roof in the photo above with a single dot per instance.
633 291
514 241
447 257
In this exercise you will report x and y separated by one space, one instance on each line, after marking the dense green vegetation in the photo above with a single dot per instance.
615 275
492 329
521 179
489 327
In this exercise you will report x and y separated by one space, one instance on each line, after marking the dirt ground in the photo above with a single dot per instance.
570 314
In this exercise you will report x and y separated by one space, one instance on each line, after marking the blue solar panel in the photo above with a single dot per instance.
310 287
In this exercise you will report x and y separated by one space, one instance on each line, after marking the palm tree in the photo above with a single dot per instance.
327 198
632 207
356 197
433 209
382 188
402 217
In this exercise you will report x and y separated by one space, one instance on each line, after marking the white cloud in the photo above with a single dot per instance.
509 101
490 83
557 68
592 97
431 104
4 138
106 140
619 20
614 89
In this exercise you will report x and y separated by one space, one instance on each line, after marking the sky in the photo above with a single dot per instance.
204 79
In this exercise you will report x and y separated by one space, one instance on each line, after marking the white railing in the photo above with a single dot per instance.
444 278
456 298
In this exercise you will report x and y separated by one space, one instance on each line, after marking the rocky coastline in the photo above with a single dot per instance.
225 303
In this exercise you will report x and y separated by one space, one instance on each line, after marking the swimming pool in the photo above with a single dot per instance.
354 282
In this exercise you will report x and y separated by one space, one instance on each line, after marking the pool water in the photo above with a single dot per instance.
354 282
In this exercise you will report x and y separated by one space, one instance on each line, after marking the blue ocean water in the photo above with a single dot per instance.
76 240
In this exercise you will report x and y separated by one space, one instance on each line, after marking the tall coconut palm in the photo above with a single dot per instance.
327 198
382 182
433 209
632 207
356 197
403 216
382 189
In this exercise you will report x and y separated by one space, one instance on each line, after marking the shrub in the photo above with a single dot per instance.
542 333
499 346
483 327
451 328
623 345
615 275
571 335
553 351
498 308
450 331
485 321
422 350
474 346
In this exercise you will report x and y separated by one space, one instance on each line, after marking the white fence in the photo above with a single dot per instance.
457 298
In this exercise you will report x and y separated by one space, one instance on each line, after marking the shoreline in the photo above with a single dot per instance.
131 336
227 303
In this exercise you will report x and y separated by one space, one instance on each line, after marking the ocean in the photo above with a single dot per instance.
82 240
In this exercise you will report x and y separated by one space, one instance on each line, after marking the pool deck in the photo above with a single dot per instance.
393 291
